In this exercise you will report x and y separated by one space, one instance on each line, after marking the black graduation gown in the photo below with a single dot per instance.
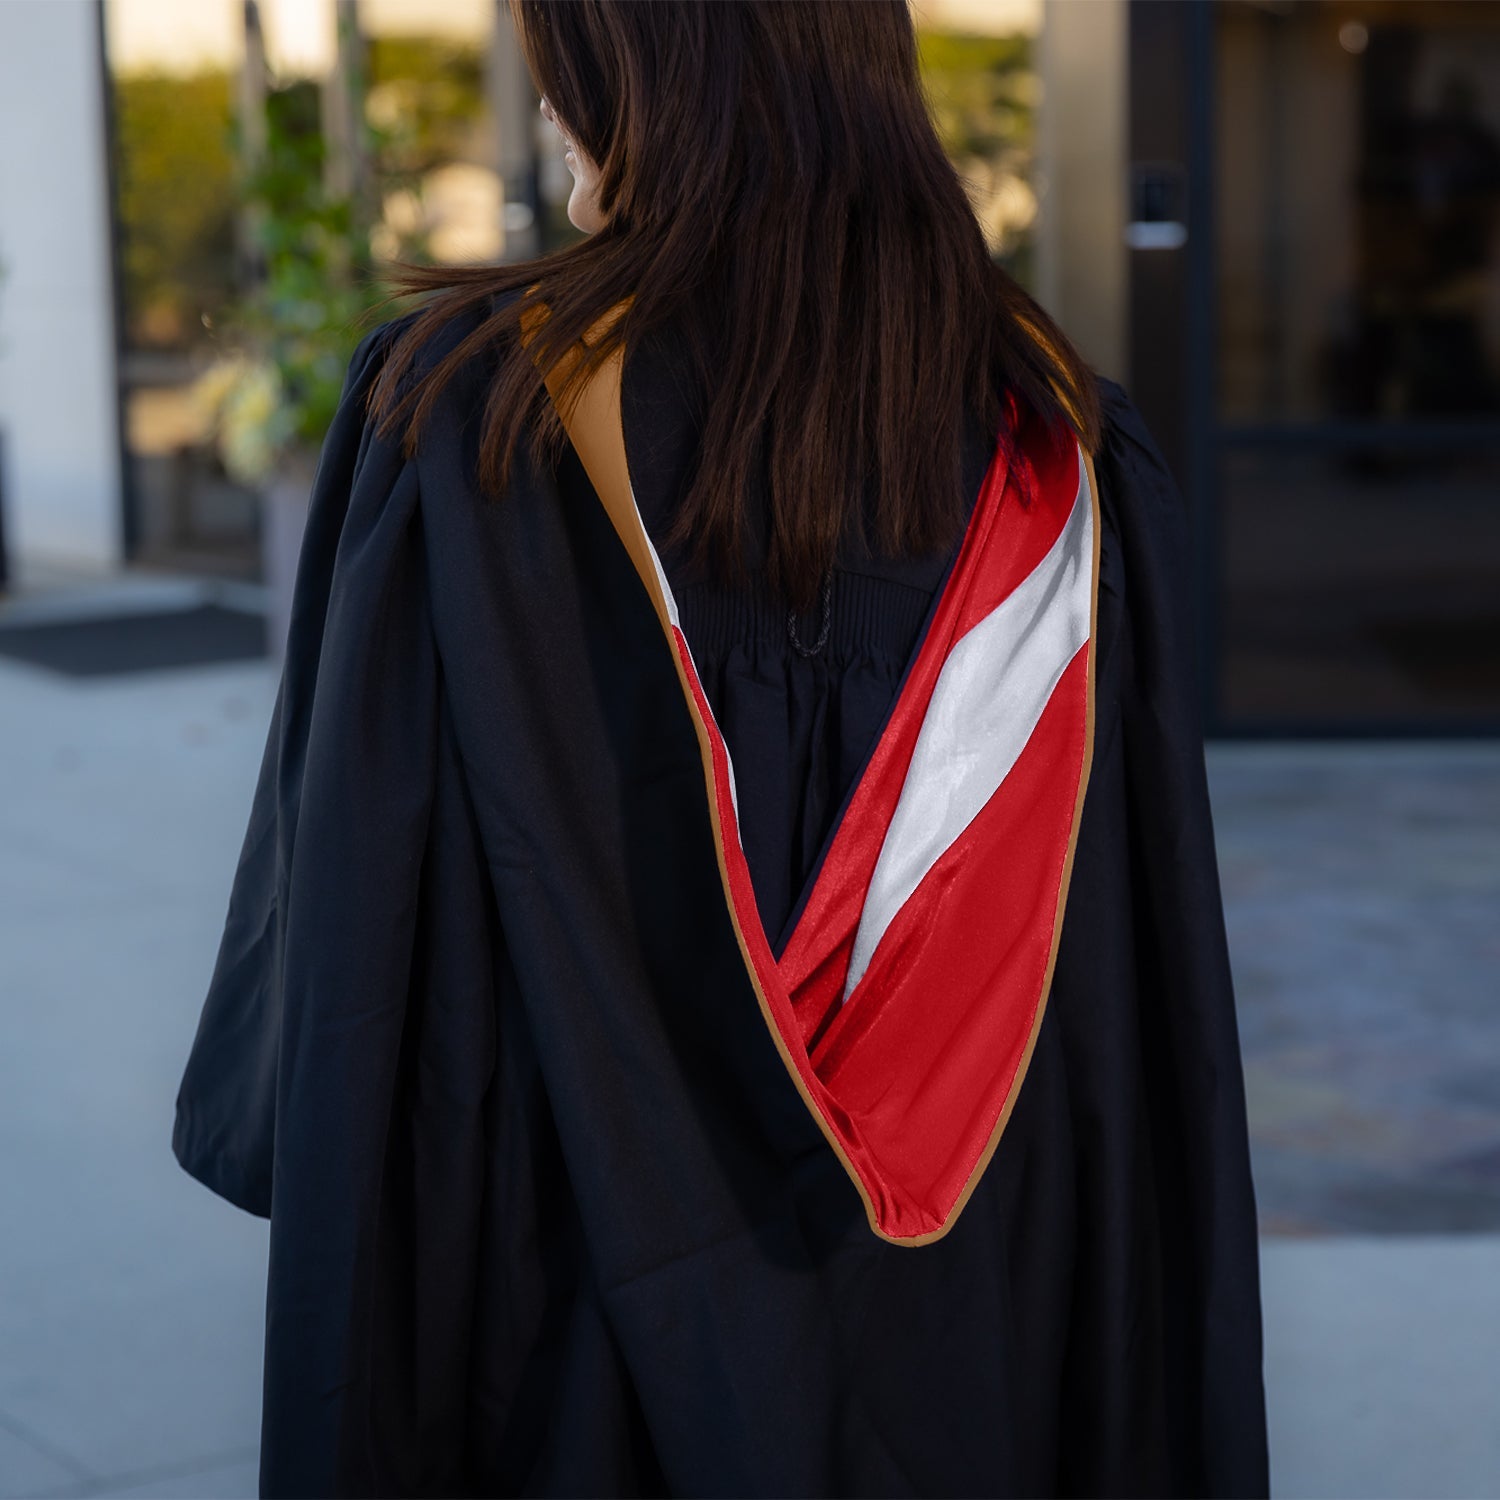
548 1215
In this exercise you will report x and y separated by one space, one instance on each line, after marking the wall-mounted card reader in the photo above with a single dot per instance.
1158 206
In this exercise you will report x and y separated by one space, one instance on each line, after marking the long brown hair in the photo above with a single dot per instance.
773 187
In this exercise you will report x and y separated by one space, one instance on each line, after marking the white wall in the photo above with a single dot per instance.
62 482
1083 266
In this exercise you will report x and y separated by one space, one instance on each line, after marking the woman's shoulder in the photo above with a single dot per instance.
1143 510
1128 451
426 349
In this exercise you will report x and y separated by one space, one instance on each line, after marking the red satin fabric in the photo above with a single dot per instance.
913 1073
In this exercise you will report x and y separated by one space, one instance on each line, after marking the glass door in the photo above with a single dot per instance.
1355 446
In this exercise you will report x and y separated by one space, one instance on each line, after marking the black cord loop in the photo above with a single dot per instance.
791 621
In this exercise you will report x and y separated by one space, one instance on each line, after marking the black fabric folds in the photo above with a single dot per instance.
548 1215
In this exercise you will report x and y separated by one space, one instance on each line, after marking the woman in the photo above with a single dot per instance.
725 987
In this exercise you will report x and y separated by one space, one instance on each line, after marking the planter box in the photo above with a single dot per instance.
284 504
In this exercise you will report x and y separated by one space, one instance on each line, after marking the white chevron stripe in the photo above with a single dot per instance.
671 603
661 572
987 701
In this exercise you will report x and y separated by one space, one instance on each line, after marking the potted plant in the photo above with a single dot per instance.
269 399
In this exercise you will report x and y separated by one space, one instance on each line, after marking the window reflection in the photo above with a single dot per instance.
178 90
1358 210
1358 451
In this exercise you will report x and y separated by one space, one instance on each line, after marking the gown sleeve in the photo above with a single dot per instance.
348 1043
321 887
1194 1078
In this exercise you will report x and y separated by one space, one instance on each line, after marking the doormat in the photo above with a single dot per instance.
113 645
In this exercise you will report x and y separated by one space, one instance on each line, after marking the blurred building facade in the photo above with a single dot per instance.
1276 222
